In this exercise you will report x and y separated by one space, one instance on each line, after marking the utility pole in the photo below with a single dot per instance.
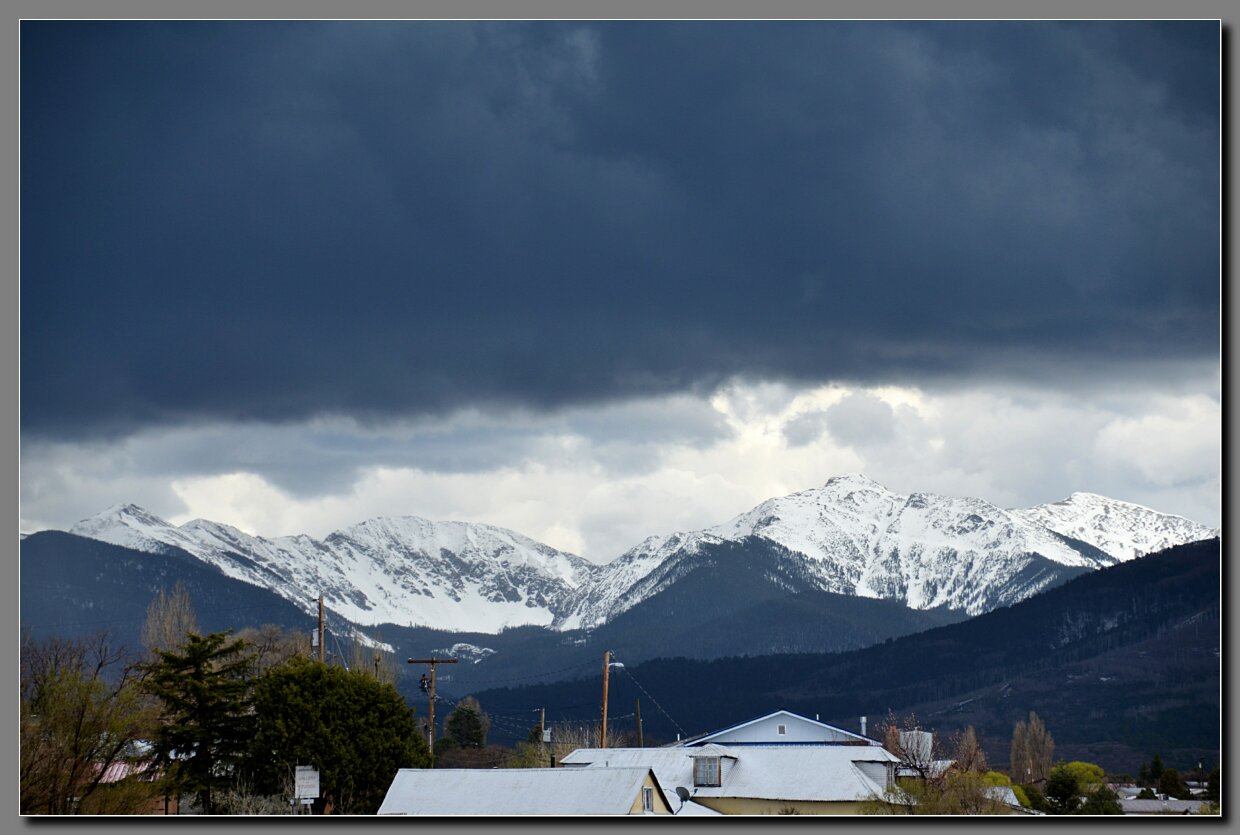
542 732
637 711
602 742
321 655
431 694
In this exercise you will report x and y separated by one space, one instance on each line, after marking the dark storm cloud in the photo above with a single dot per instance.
268 221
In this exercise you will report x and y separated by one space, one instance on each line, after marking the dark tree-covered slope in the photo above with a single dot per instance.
1121 662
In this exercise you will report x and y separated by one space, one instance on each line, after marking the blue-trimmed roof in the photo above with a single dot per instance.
707 737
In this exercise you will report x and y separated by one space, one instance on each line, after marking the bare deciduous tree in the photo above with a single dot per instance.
969 755
81 713
1032 751
169 618
272 645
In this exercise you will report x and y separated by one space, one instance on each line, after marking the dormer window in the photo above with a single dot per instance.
706 771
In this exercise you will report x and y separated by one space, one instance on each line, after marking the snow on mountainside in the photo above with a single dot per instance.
921 549
1122 529
856 536
406 570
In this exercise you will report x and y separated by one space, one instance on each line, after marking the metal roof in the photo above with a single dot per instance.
768 772
516 791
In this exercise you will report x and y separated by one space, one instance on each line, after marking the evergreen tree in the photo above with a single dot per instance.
1151 772
1102 801
1170 784
204 687
467 725
355 729
1063 791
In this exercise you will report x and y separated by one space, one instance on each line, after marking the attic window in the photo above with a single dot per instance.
647 799
781 729
706 771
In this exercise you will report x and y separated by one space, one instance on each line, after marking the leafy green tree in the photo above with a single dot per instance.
1088 775
1063 791
355 729
1212 786
204 687
954 792
1146 794
81 712
1036 800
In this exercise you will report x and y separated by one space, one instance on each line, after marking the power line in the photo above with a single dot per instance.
656 701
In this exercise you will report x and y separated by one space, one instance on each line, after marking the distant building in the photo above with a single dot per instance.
780 763
525 791
1169 806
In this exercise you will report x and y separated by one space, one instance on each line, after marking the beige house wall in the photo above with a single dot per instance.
761 806
660 808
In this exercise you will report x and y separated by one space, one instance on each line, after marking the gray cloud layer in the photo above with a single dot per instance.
274 221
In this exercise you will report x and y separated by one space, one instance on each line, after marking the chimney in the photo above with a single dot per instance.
863 726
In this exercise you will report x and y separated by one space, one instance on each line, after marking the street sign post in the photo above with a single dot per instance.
306 778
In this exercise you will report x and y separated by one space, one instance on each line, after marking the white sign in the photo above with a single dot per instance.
307 777
547 735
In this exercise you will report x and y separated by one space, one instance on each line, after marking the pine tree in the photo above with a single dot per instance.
467 725
204 686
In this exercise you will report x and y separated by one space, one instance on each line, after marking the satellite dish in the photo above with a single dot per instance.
682 793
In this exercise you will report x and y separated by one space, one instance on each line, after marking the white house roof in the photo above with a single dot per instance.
767 772
1170 806
516 791
710 750
765 730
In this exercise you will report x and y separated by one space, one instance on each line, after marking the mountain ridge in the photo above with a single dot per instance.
853 537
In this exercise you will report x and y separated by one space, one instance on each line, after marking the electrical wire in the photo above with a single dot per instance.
655 701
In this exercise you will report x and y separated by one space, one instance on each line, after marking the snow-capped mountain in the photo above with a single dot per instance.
851 536
405 570
921 549
1122 529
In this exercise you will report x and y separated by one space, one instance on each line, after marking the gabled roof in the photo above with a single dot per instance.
516 791
816 732
768 772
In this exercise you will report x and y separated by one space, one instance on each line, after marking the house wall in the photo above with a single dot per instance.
762 806
660 808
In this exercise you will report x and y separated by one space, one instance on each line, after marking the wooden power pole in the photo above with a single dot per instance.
431 694
637 711
602 743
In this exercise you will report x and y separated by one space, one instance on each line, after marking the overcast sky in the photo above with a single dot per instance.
599 281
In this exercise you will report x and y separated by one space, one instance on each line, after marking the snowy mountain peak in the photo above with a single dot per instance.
856 480
404 569
851 535
1122 529
923 549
